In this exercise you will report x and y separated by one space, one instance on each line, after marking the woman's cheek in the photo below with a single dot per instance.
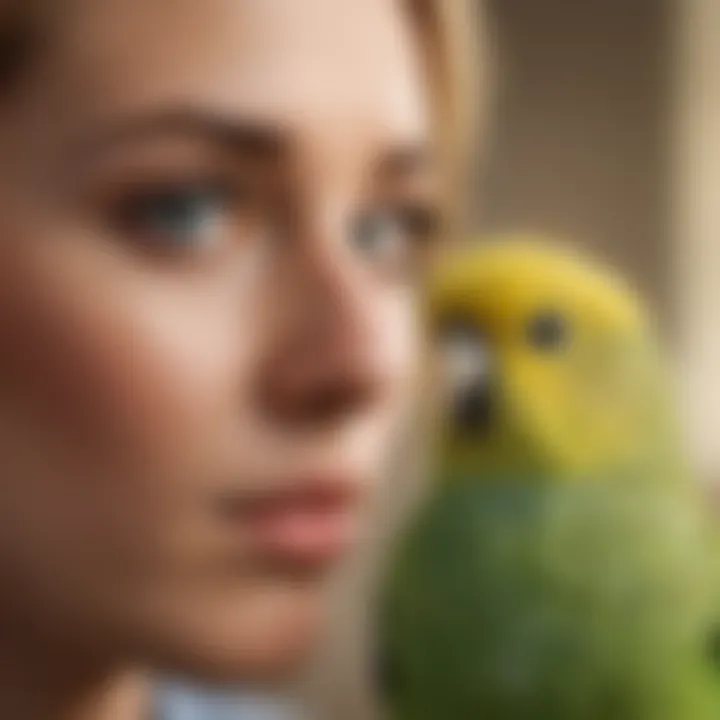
120 363
400 339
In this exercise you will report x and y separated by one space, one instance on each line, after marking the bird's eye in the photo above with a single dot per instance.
548 331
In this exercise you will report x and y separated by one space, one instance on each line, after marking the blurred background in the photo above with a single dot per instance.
605 131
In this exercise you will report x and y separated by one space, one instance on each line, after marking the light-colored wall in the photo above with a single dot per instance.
696 257
581 145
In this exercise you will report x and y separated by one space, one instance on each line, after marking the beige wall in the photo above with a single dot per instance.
580 146
696 176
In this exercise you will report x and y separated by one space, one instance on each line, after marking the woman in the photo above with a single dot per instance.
210 216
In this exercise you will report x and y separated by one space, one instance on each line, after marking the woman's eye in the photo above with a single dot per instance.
388 238
189 216
379 236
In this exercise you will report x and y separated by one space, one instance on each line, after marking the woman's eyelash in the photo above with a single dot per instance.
174 210
142 196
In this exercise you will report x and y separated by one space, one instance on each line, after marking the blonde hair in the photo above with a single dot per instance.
455 44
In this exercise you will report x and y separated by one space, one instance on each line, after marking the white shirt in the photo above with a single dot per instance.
179 700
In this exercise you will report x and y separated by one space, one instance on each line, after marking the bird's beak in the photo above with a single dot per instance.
473 407
469 369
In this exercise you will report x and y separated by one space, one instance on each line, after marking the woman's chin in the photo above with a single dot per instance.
254 643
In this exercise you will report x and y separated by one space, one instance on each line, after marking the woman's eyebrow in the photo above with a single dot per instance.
259 140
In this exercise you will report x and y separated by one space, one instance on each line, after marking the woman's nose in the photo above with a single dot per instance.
325 396
329 361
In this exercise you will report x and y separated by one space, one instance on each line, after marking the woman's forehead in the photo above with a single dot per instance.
321 68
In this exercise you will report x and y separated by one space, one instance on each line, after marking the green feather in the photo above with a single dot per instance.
521 600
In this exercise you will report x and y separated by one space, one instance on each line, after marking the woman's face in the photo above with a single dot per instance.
208 217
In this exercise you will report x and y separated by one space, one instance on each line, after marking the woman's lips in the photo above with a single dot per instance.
311 524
